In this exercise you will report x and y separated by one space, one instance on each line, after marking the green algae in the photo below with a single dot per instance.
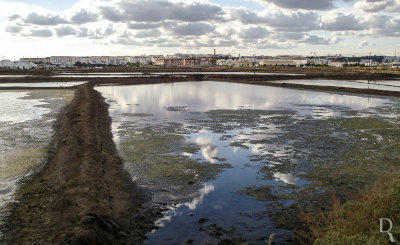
159 157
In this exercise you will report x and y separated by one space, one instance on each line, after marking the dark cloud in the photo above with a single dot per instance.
254 33
66 31
342 22
304 4
156 11
41 33
83 17
45 20
14 29
193 29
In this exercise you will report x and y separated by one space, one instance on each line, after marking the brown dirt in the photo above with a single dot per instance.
83 196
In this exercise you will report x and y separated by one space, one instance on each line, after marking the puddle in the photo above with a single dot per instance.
41 85
26 128
232 162
363 84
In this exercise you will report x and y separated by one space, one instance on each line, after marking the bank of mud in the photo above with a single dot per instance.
83 196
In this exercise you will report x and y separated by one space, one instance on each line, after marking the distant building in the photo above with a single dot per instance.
17 65
64 61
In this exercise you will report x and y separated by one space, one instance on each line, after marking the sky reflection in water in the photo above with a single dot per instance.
217 200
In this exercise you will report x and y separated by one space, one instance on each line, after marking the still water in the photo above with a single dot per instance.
26 128
245 151
41 85
391 85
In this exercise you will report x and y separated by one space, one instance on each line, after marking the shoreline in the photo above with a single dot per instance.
83 195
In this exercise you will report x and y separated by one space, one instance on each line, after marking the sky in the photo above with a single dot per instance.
40 28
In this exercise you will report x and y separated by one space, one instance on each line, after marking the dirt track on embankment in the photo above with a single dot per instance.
83 196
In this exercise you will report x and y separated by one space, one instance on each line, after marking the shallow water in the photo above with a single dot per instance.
26 120
267 138
227 73
363 84
41 85
94 75
11 76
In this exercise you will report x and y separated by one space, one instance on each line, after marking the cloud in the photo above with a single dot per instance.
13 29
41 33
83 32
83 17
294 22
161 10
192 29
279 20
127 41
148 33
14 17
143 26
304 4
65 31
316 40
378 5
342 22
364 43
254 33
45 20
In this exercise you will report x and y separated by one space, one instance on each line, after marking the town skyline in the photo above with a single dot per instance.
36 28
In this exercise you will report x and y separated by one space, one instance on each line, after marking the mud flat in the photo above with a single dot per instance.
82 196
25 131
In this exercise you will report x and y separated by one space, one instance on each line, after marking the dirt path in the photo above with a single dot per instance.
82 196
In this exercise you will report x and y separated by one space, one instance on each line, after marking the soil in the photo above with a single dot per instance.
83 196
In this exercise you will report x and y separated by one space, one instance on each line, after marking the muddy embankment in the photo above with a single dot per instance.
83 196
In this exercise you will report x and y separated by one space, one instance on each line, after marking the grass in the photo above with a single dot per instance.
357 221
373 168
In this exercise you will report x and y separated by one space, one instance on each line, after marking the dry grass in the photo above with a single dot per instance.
357 221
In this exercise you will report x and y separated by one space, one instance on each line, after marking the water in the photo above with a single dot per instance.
228 73
26 120
262 132
96 75
11 76
41 85
363 84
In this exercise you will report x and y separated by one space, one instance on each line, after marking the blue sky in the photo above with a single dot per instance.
136 27
51 4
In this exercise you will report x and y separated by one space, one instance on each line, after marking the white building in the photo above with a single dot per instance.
65 61
17 65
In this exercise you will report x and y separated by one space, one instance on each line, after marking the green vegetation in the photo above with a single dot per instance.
376 156
161 157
